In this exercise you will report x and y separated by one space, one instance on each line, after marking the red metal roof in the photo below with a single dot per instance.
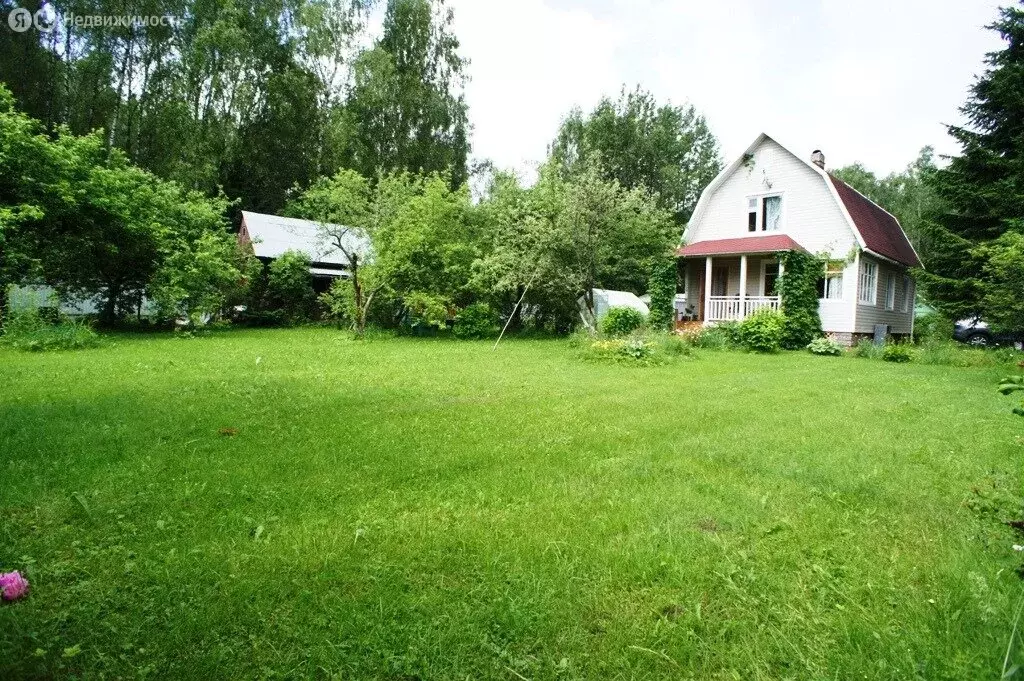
881 232
747 244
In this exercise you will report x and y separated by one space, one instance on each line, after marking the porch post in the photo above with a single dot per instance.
707 288
743 287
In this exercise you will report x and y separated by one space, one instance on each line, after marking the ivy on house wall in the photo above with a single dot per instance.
798 287
662 289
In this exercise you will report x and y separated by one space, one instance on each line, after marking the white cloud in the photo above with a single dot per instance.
871 81
530 64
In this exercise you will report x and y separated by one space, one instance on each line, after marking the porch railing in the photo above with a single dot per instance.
730 308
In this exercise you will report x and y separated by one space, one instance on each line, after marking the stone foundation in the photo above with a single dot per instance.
850 339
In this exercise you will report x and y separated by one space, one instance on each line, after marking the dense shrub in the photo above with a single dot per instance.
27 330
478 320
721 336
932 327
673 344
763 331
290 287
338 301
622 321
897 352
825 346
867 349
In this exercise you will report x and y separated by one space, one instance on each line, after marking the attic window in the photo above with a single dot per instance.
764 213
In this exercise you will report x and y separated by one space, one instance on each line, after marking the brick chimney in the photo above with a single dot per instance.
818 158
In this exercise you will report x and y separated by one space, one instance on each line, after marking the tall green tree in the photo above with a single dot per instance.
27 165
638 143
82 219
344 209
407 109
982 189
556 241
218 97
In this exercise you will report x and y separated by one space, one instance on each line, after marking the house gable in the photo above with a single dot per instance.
812 214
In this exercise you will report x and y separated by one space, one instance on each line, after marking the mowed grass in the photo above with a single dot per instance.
425 509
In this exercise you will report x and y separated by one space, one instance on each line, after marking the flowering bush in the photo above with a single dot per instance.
647 349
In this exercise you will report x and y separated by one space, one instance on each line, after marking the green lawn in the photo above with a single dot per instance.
423 509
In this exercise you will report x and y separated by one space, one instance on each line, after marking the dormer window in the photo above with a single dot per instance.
764 213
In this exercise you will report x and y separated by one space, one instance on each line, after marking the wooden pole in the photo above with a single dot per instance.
518 303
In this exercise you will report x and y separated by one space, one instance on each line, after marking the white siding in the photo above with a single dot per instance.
837 314
810 214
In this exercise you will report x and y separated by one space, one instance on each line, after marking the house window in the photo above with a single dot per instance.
772 214
890 291
868 283
770 276
907 295
764 213
830 287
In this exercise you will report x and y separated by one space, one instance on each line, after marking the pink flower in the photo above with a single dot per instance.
12 585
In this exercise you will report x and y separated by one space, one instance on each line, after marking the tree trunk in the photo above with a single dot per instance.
357 290
108 315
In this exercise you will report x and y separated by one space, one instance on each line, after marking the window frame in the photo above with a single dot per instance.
905 307
864 287
890 291
760 212
834 271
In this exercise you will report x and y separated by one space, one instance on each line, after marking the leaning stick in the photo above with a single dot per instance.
518 303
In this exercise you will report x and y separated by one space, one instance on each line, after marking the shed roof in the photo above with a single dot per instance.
271 236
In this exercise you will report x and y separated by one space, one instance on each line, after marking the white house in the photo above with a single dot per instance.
769 201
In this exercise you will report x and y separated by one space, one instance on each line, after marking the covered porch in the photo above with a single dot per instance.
731 279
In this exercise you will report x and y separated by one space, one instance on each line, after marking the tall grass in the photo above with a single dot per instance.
27 330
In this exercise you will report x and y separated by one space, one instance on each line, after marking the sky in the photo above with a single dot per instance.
863 80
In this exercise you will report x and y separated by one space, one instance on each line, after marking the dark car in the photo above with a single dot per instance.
975 331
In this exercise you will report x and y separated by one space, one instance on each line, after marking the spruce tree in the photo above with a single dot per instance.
982 190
